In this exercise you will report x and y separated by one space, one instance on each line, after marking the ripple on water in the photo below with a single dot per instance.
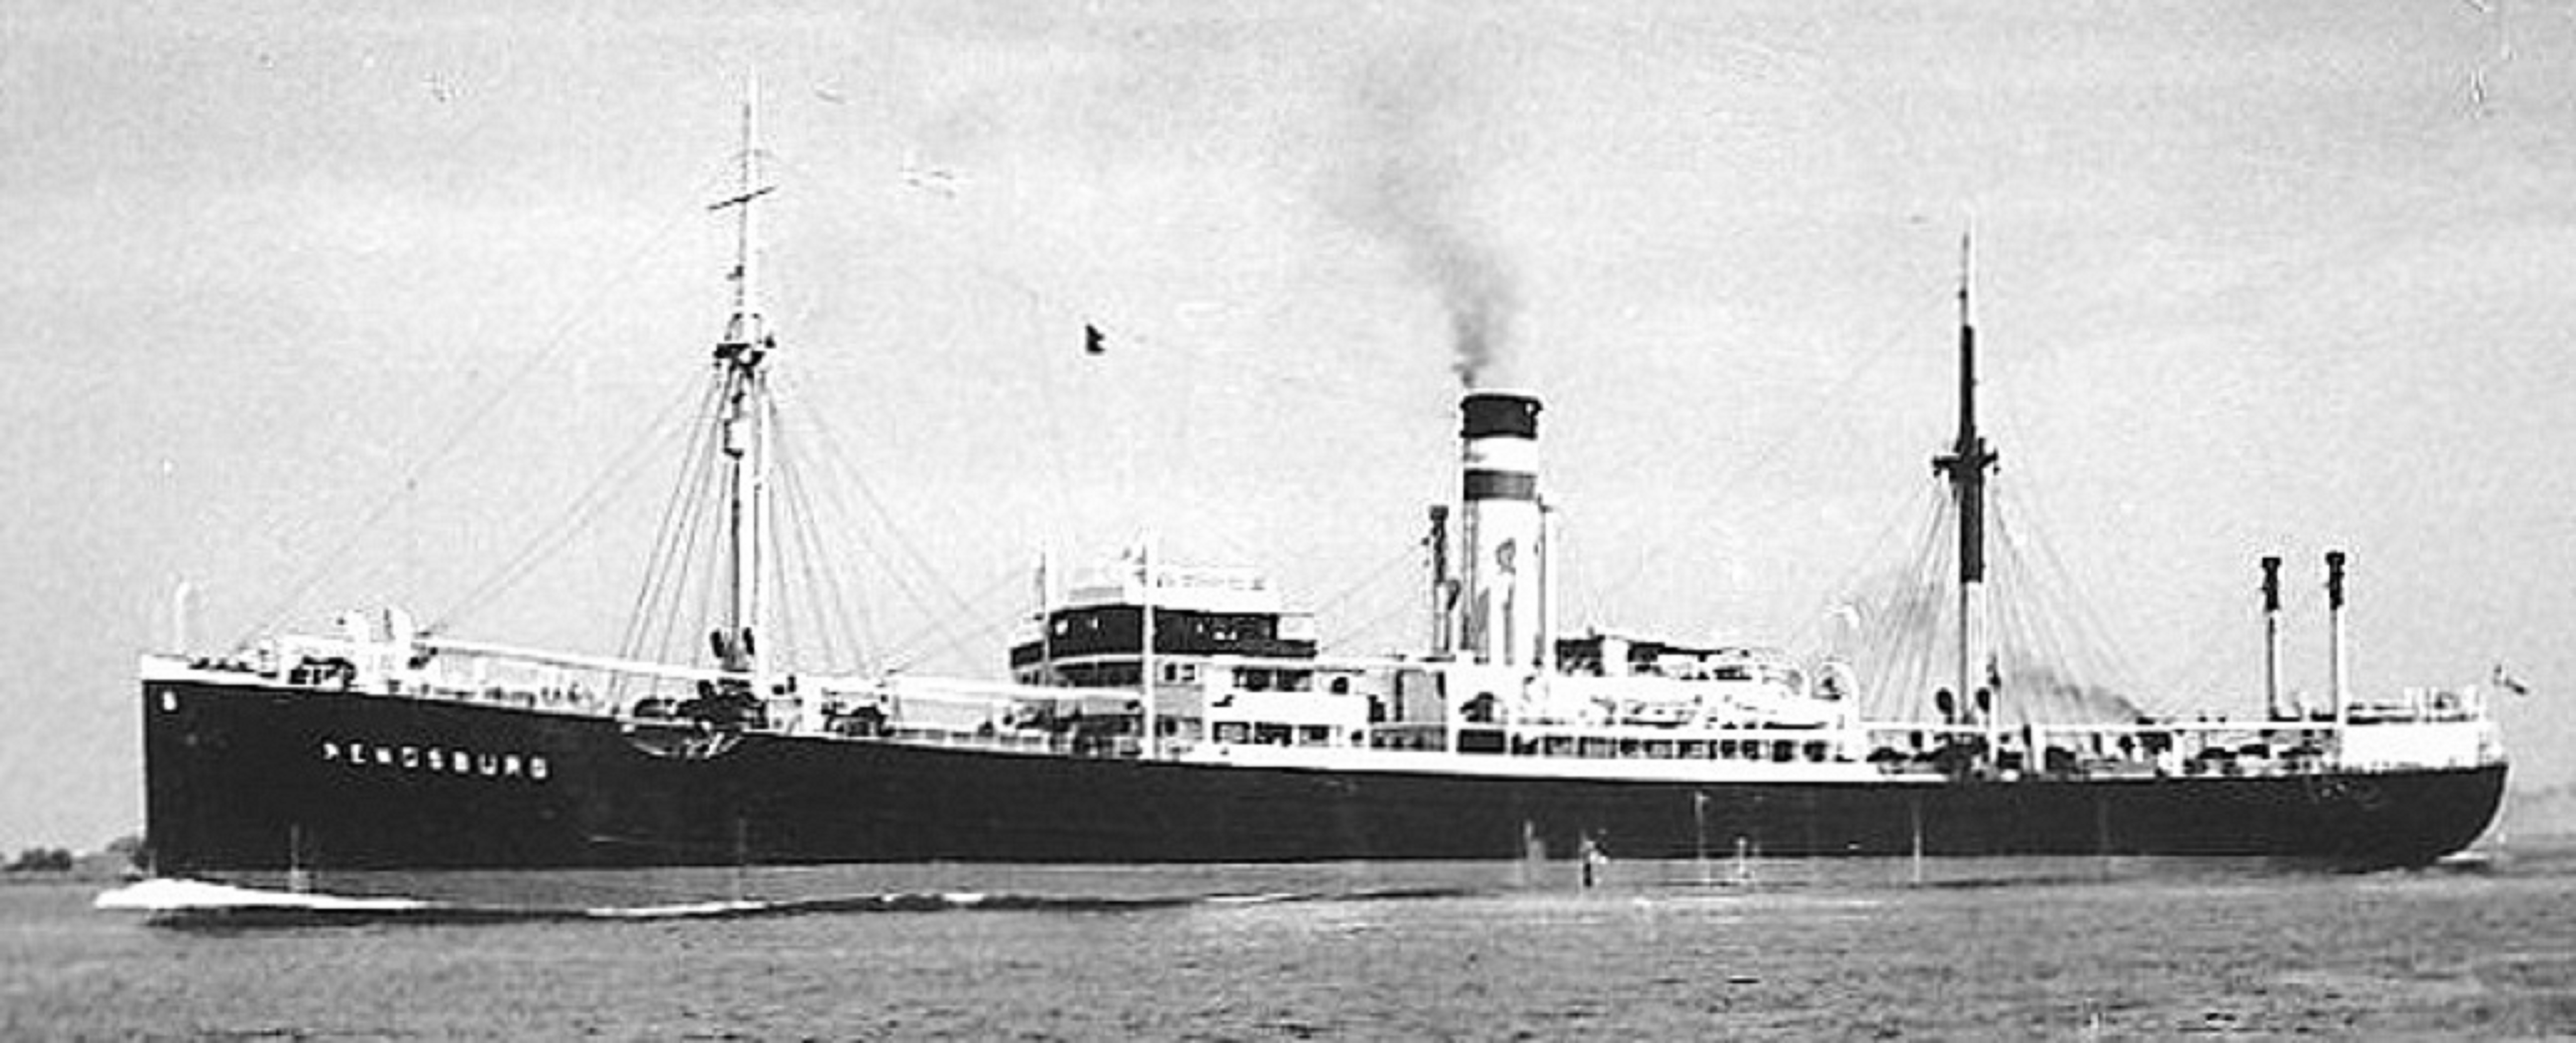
1855 957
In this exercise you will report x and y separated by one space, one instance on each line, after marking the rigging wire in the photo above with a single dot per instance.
958 643
1774 449
713 598
777 645
1121 329
675 541
1844 589
406 485
1355 631
810 578
1401 565
1045 302
836 457
815 578
1406 561
583 509
1903 644
2051 669
666 529
2047 645
828 598
1127 332
2087 629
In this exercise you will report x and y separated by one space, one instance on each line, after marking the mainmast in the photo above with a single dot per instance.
745 415
1966 465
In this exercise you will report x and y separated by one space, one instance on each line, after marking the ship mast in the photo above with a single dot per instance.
745 411
1966 465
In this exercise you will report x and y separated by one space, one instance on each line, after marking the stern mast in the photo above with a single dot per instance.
1966 465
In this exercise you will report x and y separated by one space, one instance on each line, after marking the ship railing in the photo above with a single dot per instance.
1667 700
361 664
1749 745
1270 702
2429 741
986 714
573 660
2431 728
2158 748
491 672
958 691
2420 705
926 705
1011 740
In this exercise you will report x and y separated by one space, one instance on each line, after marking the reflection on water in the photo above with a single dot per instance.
2062 948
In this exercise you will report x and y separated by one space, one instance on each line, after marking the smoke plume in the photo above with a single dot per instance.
1405 175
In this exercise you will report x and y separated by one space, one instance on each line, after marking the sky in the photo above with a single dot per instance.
326 306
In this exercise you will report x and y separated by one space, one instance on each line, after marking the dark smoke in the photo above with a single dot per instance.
1407 177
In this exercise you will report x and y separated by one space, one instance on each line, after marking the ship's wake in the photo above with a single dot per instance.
198 904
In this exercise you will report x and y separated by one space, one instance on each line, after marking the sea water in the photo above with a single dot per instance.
1979 949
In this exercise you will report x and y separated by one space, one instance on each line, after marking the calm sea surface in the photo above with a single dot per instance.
2074 950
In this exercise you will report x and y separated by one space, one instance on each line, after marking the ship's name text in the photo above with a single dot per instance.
442 759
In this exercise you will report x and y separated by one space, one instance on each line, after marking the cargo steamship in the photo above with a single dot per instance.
1164 714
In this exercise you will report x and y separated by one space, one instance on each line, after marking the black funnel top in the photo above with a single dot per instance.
1499 413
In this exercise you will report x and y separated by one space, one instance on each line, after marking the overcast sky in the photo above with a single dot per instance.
311 309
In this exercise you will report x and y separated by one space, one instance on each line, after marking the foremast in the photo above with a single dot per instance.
744 414
1966 465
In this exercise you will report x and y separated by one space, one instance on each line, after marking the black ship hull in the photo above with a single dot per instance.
251 778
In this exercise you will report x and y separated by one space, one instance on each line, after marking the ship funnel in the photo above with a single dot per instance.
2272 635
2334 631
1501 562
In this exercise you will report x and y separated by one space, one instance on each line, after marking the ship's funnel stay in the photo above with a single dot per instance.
1444 591
2272 635
1501 561
2334 631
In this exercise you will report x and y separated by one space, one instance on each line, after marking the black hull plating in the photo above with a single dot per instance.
241 778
